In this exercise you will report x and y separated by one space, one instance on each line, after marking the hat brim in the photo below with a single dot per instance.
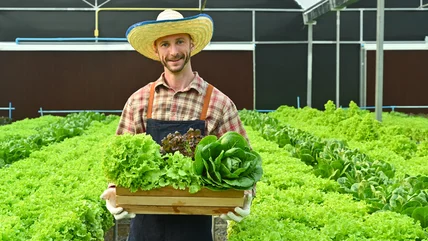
142 35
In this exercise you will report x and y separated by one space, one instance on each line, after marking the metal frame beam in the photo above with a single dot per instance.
309 18
335 4
379 58
312 14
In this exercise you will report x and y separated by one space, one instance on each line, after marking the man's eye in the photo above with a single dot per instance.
180 41
164 45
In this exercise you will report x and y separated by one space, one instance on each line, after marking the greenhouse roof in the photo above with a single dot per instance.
306 4
314 9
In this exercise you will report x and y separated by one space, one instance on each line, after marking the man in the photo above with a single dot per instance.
180 99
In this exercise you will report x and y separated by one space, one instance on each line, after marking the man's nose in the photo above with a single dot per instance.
173 50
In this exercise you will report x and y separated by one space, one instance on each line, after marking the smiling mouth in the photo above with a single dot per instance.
174 60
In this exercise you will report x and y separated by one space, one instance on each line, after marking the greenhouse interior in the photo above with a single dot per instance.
213 120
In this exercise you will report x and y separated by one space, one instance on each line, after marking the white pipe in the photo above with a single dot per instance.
414 45
102 4
90 4
205 9
48 9
418 9
53 46
368 45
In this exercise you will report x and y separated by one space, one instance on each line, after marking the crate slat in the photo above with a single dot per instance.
179 201
168 200
183 210
170 191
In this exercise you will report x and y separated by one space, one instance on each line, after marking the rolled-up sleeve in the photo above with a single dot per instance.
230 121
126 123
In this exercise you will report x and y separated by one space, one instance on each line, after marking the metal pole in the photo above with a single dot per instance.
379 58
362 66
337 58
10 110
363 90
253 42
116 231
309 88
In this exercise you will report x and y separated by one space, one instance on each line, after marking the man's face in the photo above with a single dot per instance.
174 51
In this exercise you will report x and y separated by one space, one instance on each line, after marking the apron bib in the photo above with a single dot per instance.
164 227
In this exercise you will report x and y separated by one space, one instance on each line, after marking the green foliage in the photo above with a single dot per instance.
135 162
367 179
227 162
27 127
5 120
330 107
422 149
401 145
414 127
18 147
399 135
54 193
294 204
138 162
180 173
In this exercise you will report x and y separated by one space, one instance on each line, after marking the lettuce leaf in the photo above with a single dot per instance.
133 161
227 162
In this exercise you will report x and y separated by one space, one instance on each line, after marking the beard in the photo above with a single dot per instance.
172 67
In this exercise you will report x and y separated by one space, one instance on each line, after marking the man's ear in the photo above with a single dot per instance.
192 45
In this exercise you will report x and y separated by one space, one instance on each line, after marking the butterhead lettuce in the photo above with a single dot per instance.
227 162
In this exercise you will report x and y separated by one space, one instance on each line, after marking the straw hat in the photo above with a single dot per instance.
142 35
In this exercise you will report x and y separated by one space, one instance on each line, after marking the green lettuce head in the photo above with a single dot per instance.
227 162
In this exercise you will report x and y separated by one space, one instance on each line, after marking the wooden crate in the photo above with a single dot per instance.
168 200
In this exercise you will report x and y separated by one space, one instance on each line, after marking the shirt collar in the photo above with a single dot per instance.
197 83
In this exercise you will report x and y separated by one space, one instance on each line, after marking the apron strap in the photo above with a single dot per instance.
150 104
206 102
204 108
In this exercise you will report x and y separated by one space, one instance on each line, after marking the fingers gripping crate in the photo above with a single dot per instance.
168 200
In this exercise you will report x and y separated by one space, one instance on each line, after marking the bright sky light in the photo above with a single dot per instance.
305 4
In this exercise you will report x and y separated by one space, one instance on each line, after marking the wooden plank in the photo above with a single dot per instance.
179 201
183 210
170 191
168 200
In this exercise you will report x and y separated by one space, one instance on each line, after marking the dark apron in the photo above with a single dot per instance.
162 227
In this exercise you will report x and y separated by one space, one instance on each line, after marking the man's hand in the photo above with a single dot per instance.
242 212
110 196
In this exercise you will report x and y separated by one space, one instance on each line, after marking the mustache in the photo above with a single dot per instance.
177 57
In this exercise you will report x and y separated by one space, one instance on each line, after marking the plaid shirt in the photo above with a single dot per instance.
222 114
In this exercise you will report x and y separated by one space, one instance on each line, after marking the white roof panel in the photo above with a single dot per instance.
305 4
